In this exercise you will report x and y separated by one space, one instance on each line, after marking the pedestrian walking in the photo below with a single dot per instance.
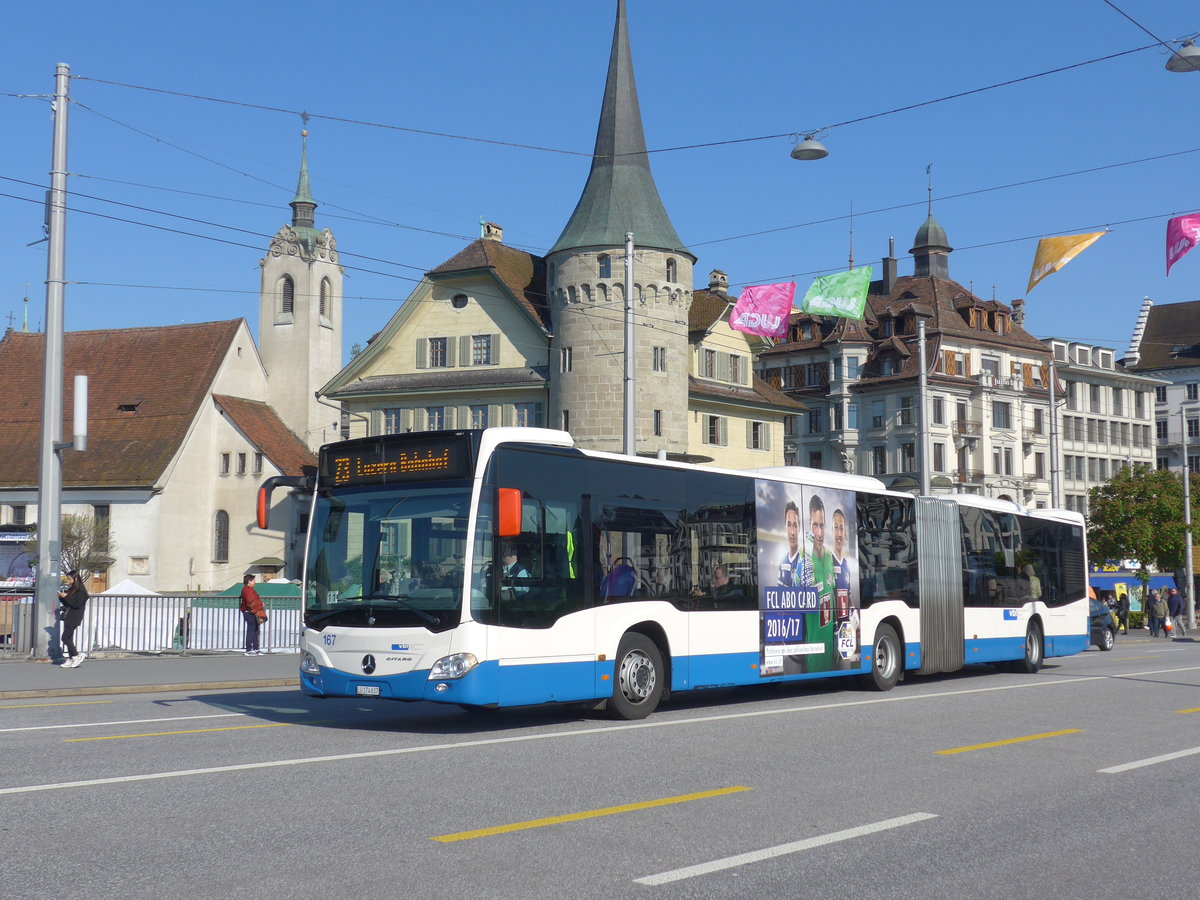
1159 620
1123 613
1151 622
73 598
1175 611
253 614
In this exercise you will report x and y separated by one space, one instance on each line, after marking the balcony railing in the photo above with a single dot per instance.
968 426
968 476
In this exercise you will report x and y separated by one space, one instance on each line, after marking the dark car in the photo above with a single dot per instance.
1101 626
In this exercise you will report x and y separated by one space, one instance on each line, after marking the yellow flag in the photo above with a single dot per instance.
1055 252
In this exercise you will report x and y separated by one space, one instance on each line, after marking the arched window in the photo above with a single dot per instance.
221 537
602 293
572 297
672 270
326 296
605 263
287 295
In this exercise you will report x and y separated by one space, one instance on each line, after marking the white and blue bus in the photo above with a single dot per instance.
508 567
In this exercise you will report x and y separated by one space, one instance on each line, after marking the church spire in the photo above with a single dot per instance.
931 249
620 194
303 205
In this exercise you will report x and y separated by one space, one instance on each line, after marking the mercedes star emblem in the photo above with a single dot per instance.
368 664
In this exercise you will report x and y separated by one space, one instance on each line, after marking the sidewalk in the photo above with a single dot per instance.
125 674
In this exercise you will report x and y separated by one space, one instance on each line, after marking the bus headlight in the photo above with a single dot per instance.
454 666
308 665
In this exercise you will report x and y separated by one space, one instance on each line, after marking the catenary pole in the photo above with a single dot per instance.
922 414
49 524
1055 462
1189 585
630 398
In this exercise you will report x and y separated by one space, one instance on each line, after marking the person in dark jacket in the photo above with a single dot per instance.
1175 611
73 598
1123 613
253 613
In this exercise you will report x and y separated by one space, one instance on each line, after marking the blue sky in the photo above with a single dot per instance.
531 72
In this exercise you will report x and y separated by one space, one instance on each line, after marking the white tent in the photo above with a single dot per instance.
128 588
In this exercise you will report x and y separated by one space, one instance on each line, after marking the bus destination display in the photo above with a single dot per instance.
385 461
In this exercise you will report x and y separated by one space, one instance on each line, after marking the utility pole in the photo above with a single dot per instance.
49 523
1189 576
922 406
630 400
1055 470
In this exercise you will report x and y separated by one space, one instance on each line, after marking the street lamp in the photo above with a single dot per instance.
1185 59
811 148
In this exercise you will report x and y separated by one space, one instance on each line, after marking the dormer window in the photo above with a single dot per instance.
886 327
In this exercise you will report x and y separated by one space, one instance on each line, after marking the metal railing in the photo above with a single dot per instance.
156 624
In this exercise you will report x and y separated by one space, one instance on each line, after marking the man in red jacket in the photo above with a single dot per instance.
253 613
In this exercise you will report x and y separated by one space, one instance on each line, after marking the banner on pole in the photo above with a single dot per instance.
842 294
1055 252
764 309
1182 234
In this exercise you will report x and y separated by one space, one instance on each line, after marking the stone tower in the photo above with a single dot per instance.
585 282
300 318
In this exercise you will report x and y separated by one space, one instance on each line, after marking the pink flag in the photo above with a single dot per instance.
1182 234
764 309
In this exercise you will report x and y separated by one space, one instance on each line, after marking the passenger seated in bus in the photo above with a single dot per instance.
1035 583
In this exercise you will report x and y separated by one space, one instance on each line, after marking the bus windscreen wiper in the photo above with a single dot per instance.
403 601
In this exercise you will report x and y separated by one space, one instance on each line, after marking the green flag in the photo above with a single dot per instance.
843 294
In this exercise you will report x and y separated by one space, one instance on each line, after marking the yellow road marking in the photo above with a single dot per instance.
121 737
588 814
1182 711
1019 740
73 703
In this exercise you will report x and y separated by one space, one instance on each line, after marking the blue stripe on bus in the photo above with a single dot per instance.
490 683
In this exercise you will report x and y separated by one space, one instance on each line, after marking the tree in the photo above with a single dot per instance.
1138 514
85 544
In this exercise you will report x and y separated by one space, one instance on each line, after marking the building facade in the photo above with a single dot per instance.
987 399
1166 345
1105 418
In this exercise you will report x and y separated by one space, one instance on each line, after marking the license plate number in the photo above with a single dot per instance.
367 690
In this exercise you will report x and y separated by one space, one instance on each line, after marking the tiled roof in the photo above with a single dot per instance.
522 273
759 394
450 379
260 423
707 307
1172 337
145 386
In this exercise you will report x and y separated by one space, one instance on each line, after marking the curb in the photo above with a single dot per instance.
148 688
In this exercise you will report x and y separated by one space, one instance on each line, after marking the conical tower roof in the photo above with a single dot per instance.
303 205
620 194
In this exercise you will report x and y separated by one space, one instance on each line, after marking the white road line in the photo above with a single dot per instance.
661 722
1153 760
743 859
119 722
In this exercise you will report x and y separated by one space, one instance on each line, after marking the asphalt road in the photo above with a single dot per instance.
982 784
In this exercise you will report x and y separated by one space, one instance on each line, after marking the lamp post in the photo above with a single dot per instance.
1189 573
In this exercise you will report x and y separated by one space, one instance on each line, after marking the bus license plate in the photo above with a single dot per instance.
367 690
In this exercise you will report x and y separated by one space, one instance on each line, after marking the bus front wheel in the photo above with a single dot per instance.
886 661
637 678
1034 651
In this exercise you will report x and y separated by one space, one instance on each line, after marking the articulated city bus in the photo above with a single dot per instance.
508 567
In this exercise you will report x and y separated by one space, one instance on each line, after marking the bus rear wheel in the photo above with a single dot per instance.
886 661
637 678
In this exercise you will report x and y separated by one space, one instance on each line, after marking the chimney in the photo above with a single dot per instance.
1018 316
1134 354
889 268
493 232
718 282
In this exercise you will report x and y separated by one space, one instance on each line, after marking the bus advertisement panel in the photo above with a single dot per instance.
808 592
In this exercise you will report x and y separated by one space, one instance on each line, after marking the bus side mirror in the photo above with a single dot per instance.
508 512
264 503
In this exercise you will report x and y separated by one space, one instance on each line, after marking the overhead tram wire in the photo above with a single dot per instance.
520 146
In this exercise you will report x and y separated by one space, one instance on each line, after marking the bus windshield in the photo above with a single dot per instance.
387 558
